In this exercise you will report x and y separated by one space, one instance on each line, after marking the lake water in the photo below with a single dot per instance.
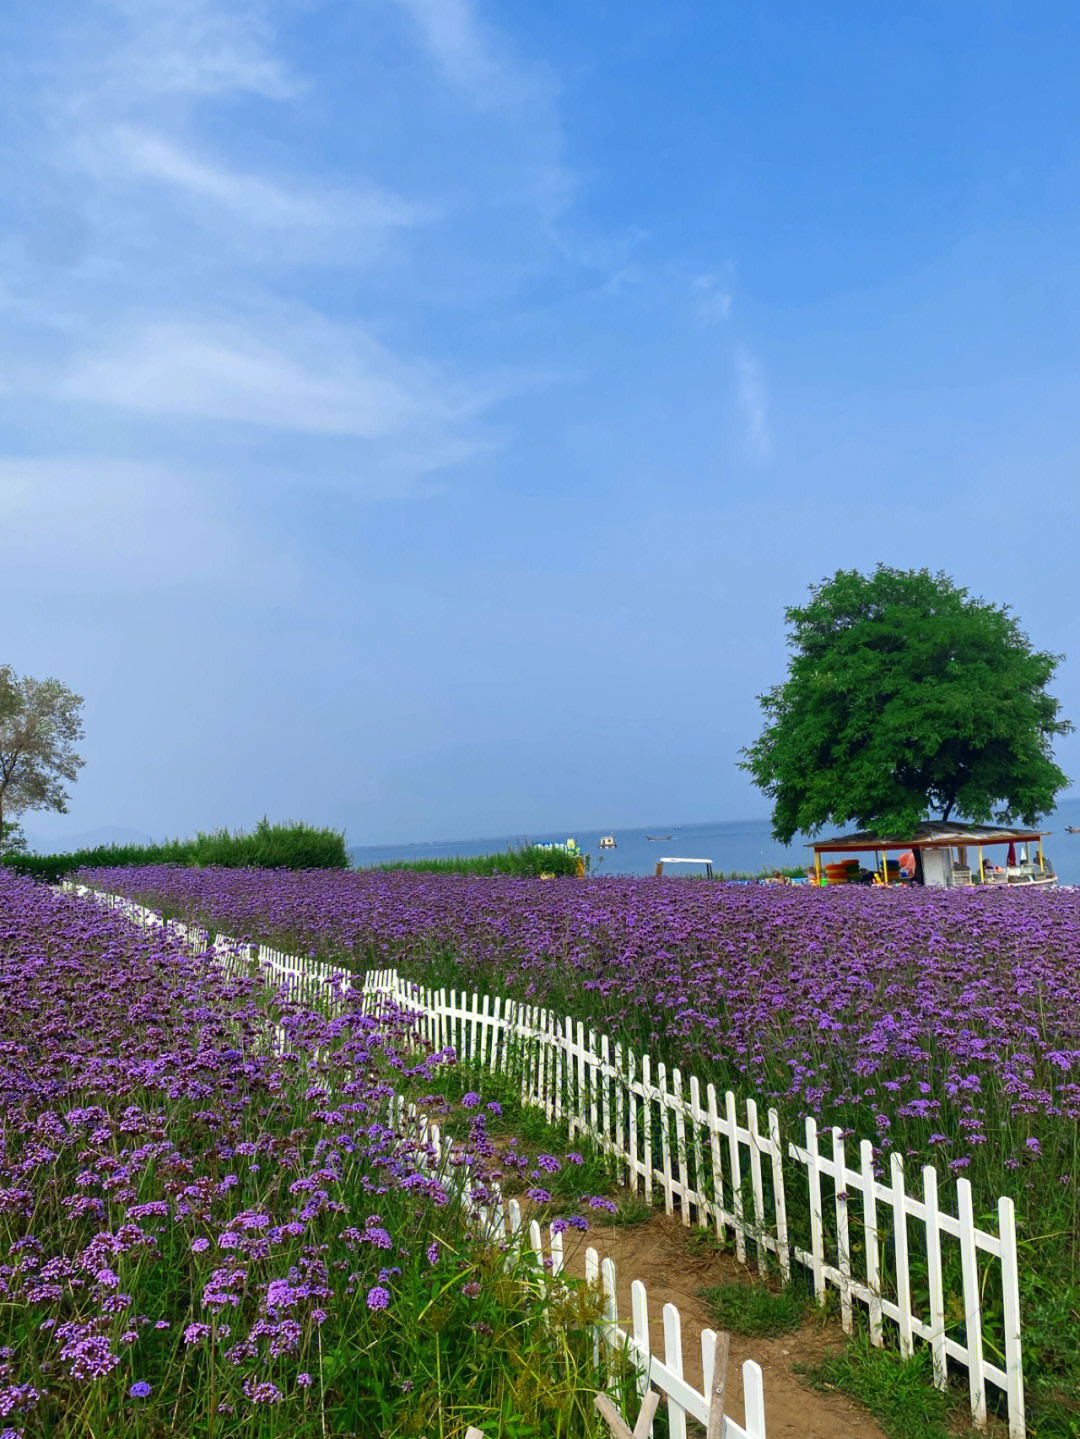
742 846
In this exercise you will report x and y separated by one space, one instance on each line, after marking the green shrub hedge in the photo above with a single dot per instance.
268 846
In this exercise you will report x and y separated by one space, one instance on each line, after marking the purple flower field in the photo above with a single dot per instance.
945 1025
202 1235
949 1022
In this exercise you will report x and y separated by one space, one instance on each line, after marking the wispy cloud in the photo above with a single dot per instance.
754 404
712 302
197 48
254 200
298 374
481 62
453 33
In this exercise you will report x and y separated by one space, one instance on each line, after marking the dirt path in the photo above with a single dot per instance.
656 1253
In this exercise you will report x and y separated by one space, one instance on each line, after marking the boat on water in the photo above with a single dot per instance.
607 841
658 836
1072 829
936 854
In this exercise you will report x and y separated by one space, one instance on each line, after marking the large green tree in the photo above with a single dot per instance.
905 697
40 723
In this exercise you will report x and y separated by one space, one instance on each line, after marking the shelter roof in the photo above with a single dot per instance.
932 834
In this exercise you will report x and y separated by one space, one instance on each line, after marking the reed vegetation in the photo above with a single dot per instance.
294 845
528 861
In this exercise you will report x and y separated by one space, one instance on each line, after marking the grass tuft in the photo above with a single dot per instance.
898 1392
752 1309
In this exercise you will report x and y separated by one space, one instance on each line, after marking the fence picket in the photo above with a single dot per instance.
900 1251
972 1311
571 1072
563 1075
717 1165
1010 1285
605 1098
696 1118
681 1157
592 1279
753 1400
632 1123
611 1306
870 1234
736 1177
673 1358
646 1093
484 1023
619 1085
665 1137
756 1185
592 1066
776 1149
937 1290
843 1241
816 1236
639 1309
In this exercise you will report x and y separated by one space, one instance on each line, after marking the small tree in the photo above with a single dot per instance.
905 696
40 722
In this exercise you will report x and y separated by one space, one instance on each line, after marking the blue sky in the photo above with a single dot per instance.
415 415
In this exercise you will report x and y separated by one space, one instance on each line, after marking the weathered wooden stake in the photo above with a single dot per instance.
719 1384
617 1424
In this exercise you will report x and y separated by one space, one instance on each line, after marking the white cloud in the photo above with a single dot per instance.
754 404
453 34
187 288
255 201
303 375
198 48
482 63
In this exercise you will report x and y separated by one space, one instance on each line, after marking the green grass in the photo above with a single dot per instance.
269 846
752 1309
898 1392
527 861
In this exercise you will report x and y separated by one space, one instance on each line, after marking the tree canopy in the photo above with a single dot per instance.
40 723
905 696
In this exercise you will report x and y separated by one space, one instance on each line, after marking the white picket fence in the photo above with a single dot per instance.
694 1149
734 1176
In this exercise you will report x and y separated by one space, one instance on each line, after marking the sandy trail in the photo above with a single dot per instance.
656 1253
